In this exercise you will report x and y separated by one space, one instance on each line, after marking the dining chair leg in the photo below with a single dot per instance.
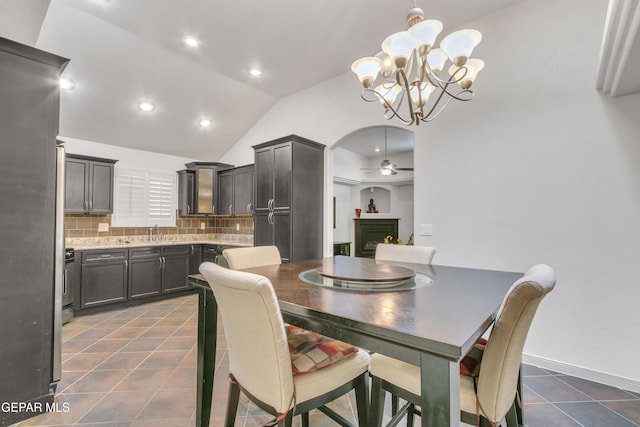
286 421
305 419
232 404
410 415
395 404
377 402
362 400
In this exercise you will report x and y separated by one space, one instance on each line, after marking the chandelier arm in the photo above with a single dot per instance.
429 117
387 105
430 74
405 85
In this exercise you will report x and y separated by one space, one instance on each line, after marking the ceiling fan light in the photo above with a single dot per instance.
425 33
399 47
367 69
473 66
436 59
385 171
459 45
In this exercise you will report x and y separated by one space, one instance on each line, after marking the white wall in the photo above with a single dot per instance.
538 168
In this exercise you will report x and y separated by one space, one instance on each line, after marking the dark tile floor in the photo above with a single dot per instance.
137 367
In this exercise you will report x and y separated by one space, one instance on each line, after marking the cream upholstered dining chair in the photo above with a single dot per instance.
488 392
254 256
263 356
405 253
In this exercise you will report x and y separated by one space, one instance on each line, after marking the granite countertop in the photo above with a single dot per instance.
88 243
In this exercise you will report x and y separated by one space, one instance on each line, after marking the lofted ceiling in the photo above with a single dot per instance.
123 51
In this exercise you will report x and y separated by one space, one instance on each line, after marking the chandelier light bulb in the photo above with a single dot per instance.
399 47
473 66
459 45
436 59
425 33
367 69
387 64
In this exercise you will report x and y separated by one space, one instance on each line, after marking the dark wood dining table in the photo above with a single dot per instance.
431 326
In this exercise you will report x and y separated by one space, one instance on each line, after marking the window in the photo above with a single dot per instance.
143 199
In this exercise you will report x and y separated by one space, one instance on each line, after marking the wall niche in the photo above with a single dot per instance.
381 197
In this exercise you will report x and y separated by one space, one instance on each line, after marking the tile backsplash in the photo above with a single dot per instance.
83 225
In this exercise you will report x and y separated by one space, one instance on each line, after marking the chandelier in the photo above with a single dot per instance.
409 71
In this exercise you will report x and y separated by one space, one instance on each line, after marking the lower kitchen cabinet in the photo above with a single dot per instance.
175 268
118 276
195 258
145 272
104 277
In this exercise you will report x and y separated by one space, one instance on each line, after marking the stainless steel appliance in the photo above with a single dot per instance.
67 287
59 266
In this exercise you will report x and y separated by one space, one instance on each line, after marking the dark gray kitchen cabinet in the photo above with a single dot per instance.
206 174
235 191
157 270
29 107
195 258
103 277
175 268
186 192
289 182
145 272
210 253
88 184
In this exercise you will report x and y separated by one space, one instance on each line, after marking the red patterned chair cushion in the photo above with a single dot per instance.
470 364
310 351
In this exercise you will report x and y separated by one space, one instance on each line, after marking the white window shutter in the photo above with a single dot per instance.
143 199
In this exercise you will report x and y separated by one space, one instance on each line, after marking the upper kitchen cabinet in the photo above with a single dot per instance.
235 191
88 185
205 183
289 182
186 192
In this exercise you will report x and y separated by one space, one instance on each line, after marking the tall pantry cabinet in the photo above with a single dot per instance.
289 182
29 117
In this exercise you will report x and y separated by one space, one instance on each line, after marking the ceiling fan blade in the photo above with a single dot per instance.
404 169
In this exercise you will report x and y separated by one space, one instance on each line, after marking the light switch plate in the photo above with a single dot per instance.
426 229
103 226
202 225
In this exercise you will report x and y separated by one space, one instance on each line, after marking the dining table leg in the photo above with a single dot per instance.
207 337
440 391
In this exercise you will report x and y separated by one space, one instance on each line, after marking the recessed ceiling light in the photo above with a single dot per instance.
377 150
146 106
256 72
66 83
191 41
205 123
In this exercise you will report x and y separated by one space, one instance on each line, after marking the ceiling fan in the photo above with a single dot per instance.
386 167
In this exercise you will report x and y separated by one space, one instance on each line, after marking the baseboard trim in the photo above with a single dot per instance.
584 373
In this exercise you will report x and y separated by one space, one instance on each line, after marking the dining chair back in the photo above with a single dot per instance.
254 256
490 392
405 253
500 366
260 362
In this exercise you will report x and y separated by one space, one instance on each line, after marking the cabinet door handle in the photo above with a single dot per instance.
90 205
248 207
230 209
160 263
126 264
105 256
188 209
191 250
85 205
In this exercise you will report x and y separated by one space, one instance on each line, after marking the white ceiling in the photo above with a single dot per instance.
124 50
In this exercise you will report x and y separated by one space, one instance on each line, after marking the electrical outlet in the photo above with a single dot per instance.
202 225
103 226
237 226
426 229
